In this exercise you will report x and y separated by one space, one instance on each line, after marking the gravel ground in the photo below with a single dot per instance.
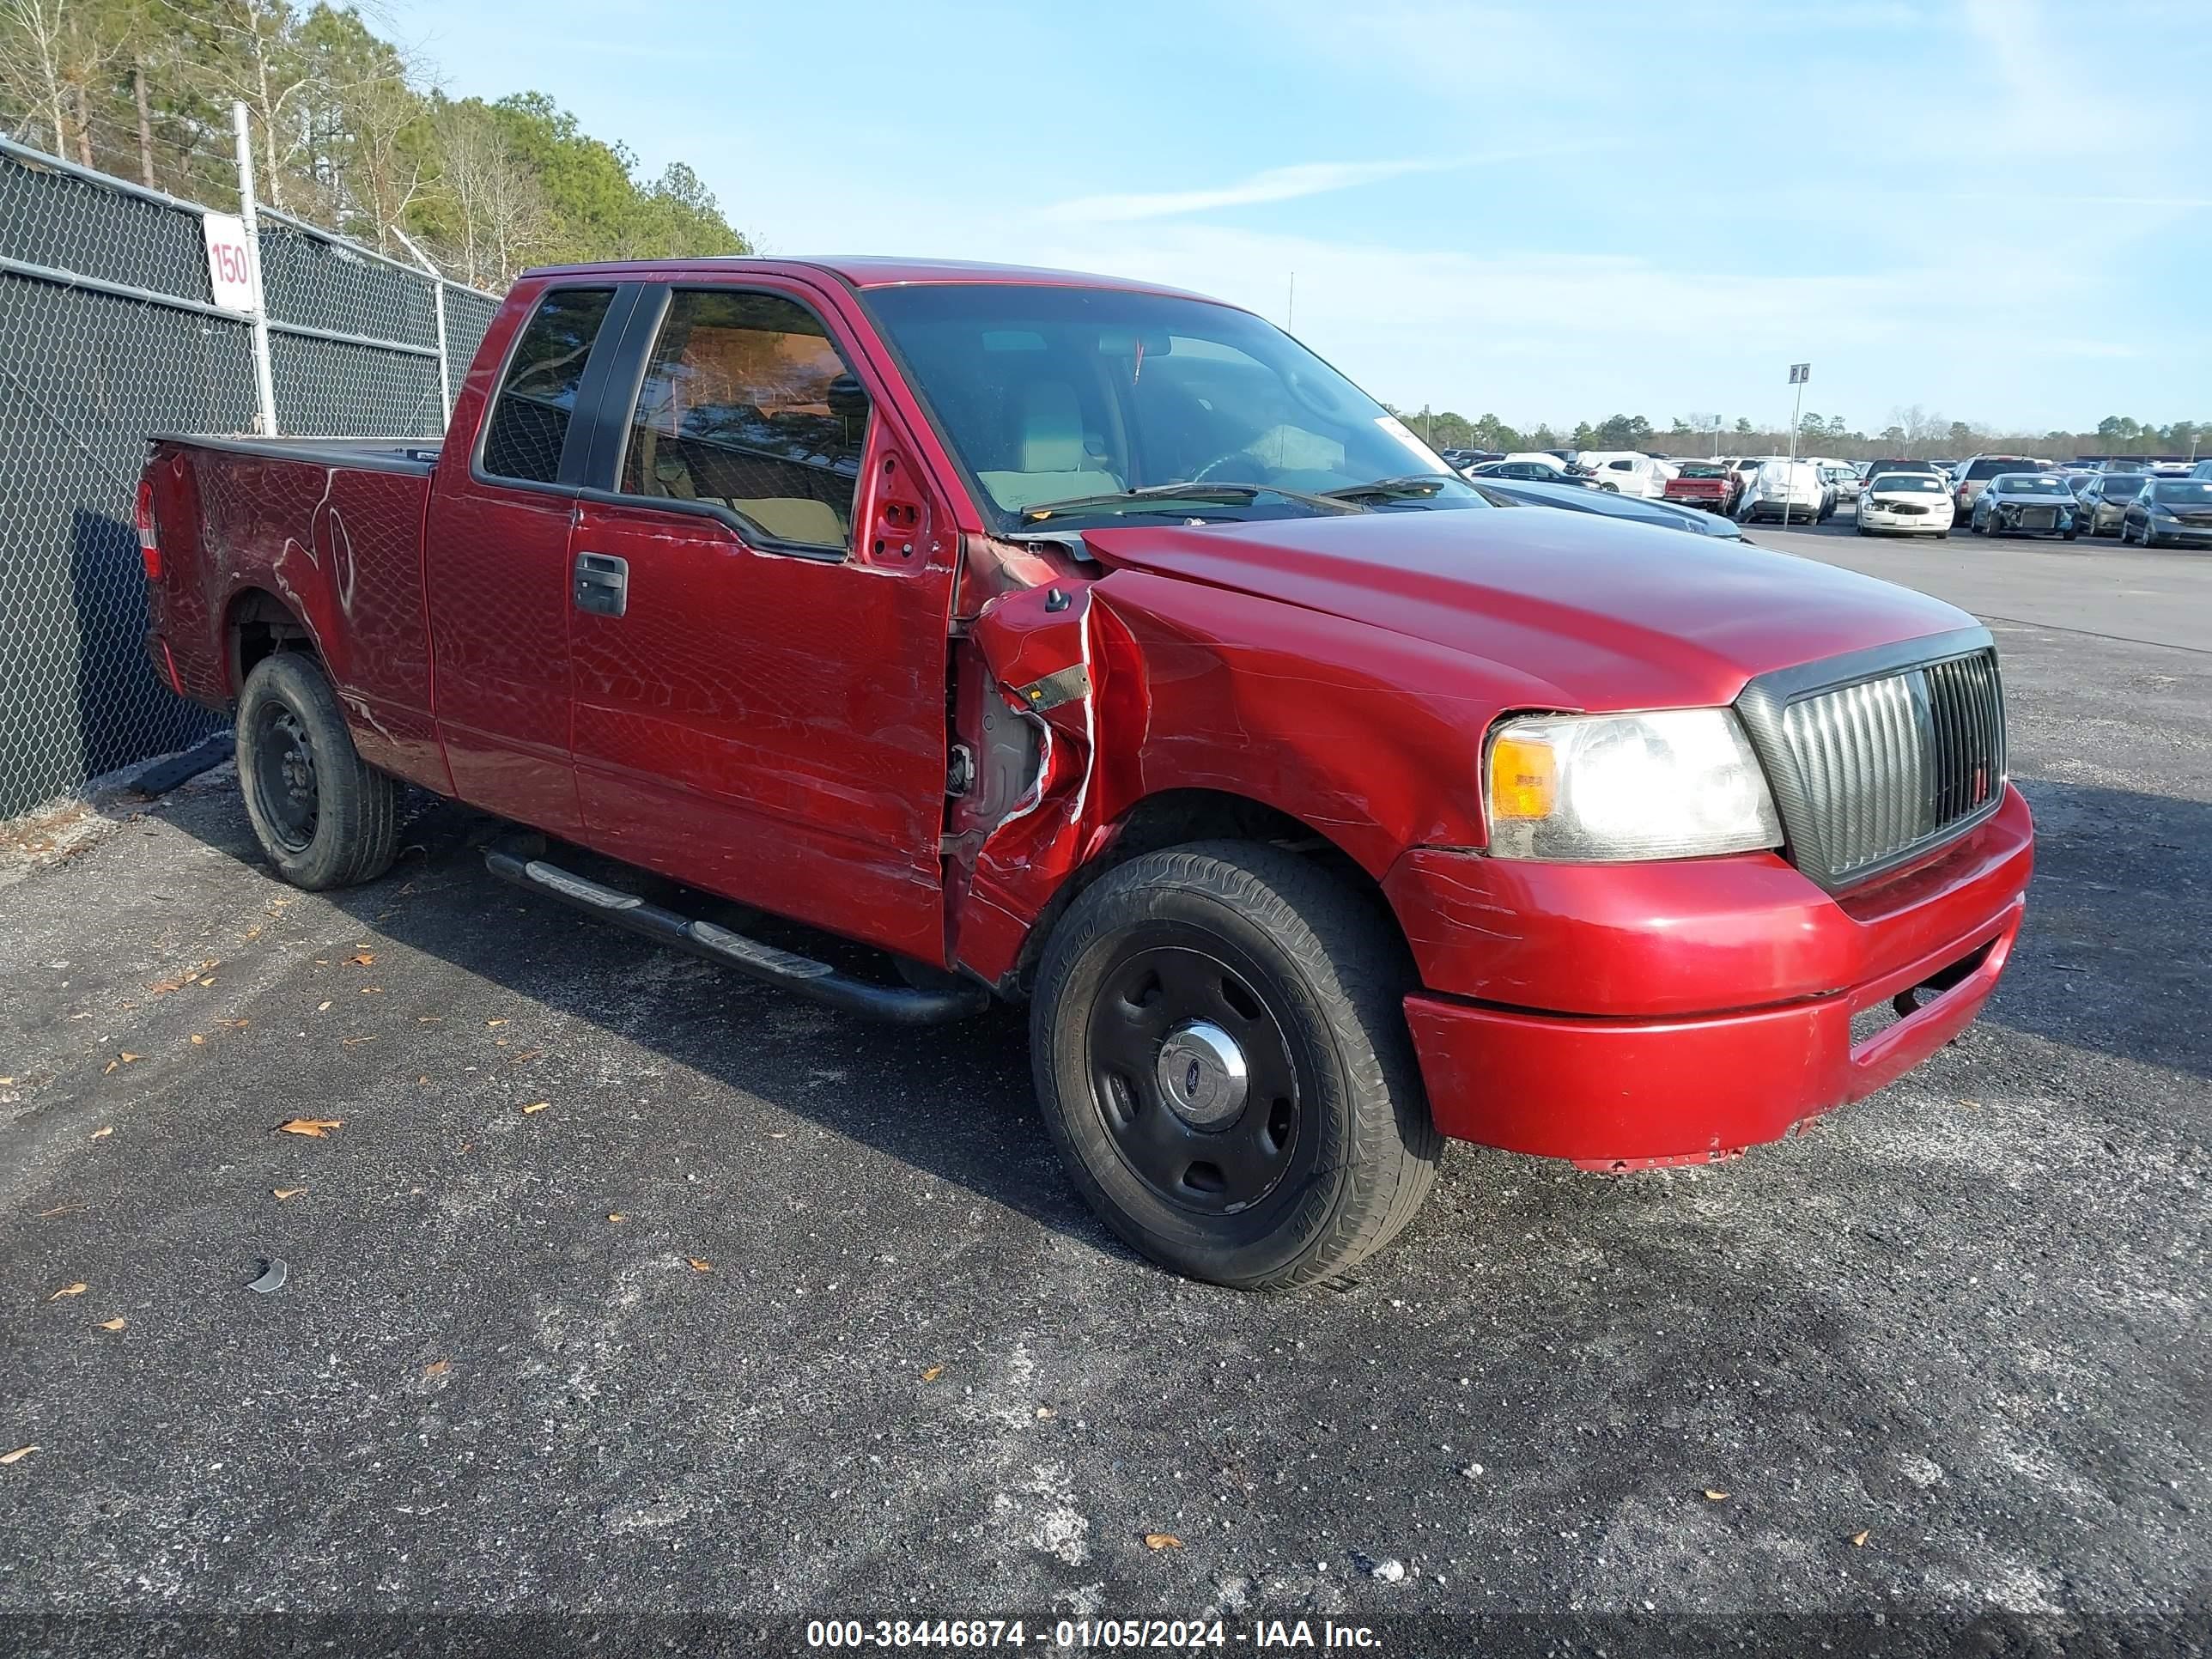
769 1314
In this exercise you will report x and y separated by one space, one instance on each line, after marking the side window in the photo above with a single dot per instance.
529 417
747 405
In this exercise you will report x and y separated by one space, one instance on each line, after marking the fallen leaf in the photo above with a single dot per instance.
348 1043
364 957
323 1008
933 1373
7 1082
1045 1413
1162 1540
428 1019
197 1038
76 1289
104 1130
437 1368
113 1324
1716 1497
128 1058
59 1209
17 1455
528 1054
280 1194
700 1266
311 1126
1858 1540
536 1106
111 1065
495 1022
371 990
615 1215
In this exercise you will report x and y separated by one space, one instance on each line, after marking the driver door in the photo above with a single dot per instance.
760 608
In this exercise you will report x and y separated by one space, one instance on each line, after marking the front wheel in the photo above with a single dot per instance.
1221 1054
324 816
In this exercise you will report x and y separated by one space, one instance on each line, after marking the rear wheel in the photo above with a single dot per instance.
1222 1057
324 816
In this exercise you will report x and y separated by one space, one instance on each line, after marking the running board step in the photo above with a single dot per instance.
900 1004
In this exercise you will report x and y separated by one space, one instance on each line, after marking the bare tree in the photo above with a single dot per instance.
494 206
53 54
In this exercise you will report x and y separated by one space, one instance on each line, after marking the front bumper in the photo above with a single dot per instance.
1626 1015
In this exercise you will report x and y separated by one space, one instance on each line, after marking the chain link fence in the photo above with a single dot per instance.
109 332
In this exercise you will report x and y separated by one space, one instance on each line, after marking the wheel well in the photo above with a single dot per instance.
1175 817
261 624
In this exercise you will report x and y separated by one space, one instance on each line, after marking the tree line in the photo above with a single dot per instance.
1911 431
348 132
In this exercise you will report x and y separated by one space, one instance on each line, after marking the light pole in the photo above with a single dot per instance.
1799 373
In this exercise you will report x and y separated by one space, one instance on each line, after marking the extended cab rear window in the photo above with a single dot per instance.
529 417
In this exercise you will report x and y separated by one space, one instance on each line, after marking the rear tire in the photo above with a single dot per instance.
324 815
1312 1146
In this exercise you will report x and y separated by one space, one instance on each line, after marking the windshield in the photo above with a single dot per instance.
1081 395
1701 469
2179 490
1917 484
2016 485
1981 470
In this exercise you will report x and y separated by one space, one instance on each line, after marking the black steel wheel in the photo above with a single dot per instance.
1221 1054
1193 1075
324 815
283 782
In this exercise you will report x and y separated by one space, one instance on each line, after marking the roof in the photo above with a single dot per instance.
867 272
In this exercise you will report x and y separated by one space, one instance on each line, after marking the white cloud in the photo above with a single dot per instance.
1275 184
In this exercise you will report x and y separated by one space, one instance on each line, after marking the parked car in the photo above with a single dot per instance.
1202 710
1904 504
1537 469
1462 459
1711 485
1627 471
2170 513
1843 479
1577 498
2025 504
2099 504
1875 469
2201 469
1785 489
1973 475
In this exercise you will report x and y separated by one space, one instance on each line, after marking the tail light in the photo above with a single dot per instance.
150 545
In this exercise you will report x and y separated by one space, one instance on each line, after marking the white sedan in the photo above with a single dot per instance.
1904 504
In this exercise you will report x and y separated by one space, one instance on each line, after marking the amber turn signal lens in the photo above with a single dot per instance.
1524 779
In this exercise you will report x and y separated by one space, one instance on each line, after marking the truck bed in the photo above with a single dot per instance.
319 535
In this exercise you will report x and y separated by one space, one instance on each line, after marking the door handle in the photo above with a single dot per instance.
602 584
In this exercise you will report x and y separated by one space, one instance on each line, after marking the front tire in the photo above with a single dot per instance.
1222 1061
324 815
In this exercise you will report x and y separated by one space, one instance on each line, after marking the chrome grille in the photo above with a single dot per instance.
1871 772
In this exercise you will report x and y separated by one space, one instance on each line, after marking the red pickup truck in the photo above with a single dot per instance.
1090 644
1712 485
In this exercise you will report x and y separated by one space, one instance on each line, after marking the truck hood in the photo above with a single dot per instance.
1585 612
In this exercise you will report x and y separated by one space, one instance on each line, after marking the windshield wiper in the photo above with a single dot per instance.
1223 495
1392 490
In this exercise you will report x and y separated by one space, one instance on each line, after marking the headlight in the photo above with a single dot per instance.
1608 788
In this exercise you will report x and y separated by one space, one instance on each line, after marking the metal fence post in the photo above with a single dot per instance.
438 304
265 385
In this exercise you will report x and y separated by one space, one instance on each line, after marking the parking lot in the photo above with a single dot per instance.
772 1313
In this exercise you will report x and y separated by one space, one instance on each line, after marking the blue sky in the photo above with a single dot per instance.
2000 209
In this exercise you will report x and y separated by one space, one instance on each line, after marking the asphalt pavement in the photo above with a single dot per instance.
621 1291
